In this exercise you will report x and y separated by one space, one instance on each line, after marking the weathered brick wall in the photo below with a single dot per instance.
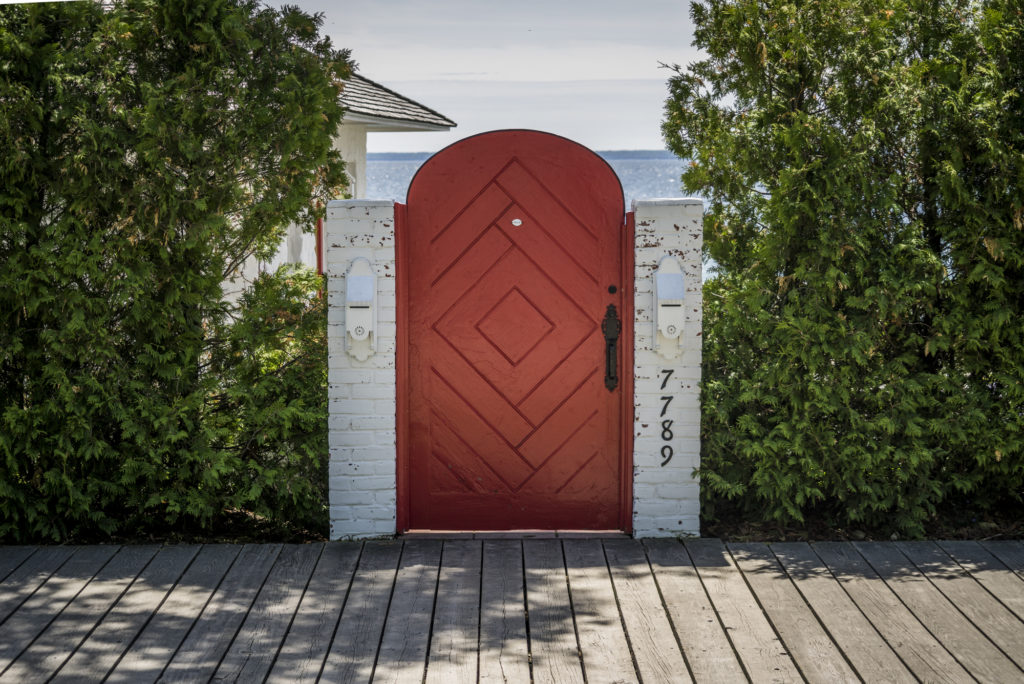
666 495
361 393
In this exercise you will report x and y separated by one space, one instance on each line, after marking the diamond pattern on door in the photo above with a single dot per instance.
510 257
514 379
514 326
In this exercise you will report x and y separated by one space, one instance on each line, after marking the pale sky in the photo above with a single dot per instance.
585 69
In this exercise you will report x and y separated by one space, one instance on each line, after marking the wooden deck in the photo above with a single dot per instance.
514 610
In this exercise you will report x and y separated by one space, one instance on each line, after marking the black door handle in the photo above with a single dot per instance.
611 327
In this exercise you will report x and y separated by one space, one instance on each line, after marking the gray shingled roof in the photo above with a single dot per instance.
373 104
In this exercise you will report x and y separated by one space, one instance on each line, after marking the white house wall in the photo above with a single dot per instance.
299 247
351 143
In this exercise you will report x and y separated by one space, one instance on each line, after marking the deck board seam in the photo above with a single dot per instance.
821 623
572 610
956 605
110 607
479 609
20 563
145 623
994 550
664 607
982 584
195 621
718 615
917 617
291 620
860 610
241 621
45 626
526 609
341 611
622 618
768 618
433 613
245 617
387 612
38 586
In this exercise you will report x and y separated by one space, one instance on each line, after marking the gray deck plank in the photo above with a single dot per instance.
29 576
762 653
147 656
504 650
403 648
60 639
305 647
818 658
1011 553
208 641
967 644
94 658
919 650
552 633
868 652
12 557
988 615
454 638
251 654
704 641
990 572
34 615
354 648
606 656
651 636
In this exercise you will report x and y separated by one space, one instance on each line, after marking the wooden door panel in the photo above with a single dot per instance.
513 239
548 440
552 390
550 257
452 453
507 418
533 344
448 247
476 432
577 241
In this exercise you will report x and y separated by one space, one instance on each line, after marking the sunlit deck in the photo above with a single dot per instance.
516 610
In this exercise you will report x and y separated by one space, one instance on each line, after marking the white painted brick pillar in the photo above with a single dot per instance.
361 394
666 401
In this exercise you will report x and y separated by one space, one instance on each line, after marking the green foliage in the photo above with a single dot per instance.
150 148
863 166
272 407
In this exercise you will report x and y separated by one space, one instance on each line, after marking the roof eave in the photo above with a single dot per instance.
389 125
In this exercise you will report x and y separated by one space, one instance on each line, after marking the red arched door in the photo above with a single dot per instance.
510 257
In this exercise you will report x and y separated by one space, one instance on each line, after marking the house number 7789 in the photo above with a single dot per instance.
666 424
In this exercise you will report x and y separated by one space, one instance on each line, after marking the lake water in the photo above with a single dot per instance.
644 174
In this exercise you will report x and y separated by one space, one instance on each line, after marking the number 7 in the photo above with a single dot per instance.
667 400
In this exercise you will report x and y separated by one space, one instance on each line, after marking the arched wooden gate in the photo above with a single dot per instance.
514 356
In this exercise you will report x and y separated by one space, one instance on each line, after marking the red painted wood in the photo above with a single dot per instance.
508 424
402 364
626 377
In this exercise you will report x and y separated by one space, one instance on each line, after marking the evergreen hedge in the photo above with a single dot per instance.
863 166
148 149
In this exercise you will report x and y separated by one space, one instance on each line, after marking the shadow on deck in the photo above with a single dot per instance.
514 610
